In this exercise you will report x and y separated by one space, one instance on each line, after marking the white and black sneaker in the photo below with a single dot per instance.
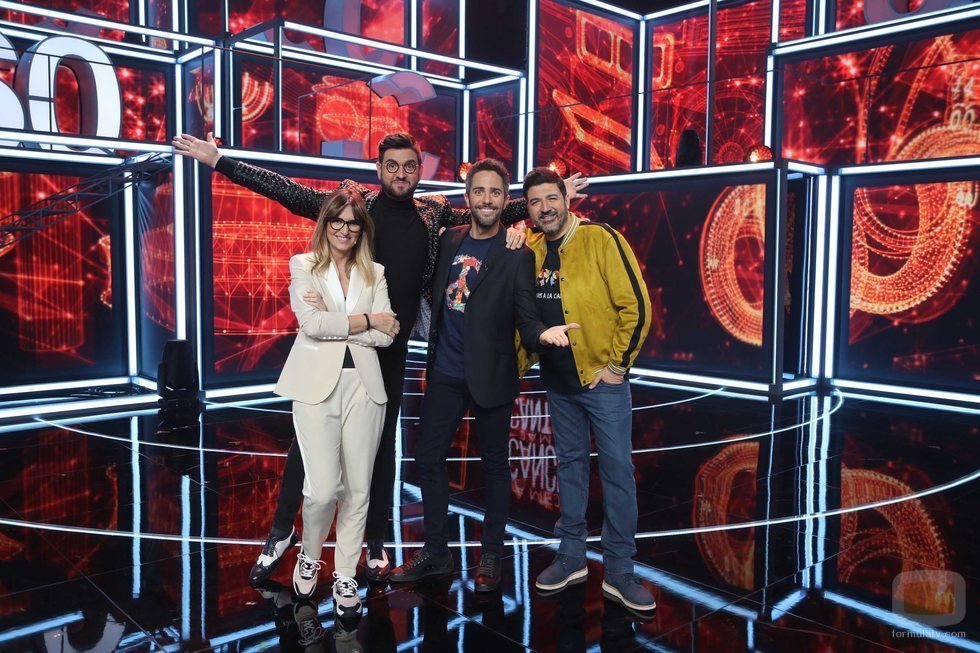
275 547
347 603
310 630
305 574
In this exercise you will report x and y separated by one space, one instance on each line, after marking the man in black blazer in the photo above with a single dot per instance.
481 292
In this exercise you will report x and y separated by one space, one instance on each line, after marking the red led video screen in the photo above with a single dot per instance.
440 33
584 89
792 19
744 34
678 82
60 313
494 130
856 13
914 284
918 534
325 113
252 240
199 96
702 250
120 11
904 102
678 85
142 93
157 319
382 20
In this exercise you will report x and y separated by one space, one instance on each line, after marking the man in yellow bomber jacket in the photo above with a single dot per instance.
587 275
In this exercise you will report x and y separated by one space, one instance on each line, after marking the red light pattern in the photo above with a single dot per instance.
319 107
253 239
55 288
708 244
440 33
206 17
114 10
382 20
678 96
850 13
59 485
891 103
732 261
913 260
725 493
495 133
678 85
792 19
144 102
584 89
743 38
156 247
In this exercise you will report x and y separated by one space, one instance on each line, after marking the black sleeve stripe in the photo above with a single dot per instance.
635 284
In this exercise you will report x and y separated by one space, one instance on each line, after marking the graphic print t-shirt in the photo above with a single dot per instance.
462 275
558 372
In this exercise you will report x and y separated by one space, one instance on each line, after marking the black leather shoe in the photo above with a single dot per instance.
423 565
487 573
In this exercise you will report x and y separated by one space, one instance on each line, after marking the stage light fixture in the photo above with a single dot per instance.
758 153
558 166
463 170
177 381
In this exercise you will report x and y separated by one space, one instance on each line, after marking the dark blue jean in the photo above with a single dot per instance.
607 411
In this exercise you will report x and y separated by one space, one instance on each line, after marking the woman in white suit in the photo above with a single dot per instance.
333 377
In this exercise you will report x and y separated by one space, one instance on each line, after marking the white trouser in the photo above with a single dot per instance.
338 439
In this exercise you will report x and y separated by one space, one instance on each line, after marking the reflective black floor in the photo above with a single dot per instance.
811 524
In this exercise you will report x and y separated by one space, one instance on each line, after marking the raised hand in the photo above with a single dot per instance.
557 336
205 151
574 186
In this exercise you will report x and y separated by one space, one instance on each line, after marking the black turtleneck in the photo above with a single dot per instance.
400 244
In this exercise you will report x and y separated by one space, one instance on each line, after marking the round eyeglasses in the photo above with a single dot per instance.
352 225
409 167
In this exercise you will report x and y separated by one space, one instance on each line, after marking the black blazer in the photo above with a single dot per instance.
501 299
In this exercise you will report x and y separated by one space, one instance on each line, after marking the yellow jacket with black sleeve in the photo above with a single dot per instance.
603 290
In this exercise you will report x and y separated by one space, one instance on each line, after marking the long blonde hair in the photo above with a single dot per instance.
362 255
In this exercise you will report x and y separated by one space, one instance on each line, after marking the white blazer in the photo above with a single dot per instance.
314 364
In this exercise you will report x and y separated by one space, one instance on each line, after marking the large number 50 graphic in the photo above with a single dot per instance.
32 104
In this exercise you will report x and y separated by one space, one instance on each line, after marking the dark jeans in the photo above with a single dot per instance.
443 406
392 361
607 409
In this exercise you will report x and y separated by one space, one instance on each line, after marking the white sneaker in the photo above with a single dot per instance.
347 603
310 630
304 574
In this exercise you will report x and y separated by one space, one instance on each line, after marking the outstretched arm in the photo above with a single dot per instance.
297 198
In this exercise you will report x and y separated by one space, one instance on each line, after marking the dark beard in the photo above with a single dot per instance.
486 224
390 191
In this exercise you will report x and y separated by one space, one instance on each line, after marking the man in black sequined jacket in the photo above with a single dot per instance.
407 230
